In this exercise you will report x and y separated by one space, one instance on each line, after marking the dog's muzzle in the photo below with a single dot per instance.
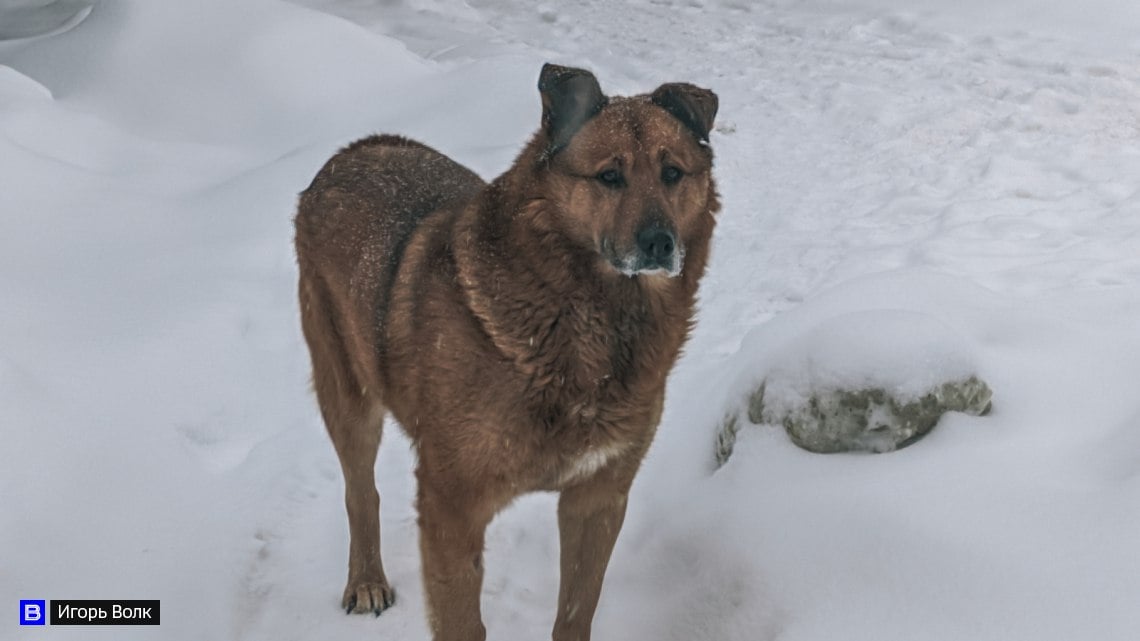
657 252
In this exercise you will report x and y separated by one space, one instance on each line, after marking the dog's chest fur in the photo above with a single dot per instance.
586 465
594 371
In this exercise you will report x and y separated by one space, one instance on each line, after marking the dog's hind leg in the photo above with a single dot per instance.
354 420
356 438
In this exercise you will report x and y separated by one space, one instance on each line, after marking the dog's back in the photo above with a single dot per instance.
353 224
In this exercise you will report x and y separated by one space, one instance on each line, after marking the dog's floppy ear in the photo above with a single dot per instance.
570 97
693 106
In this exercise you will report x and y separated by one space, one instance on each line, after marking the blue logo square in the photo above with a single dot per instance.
33 612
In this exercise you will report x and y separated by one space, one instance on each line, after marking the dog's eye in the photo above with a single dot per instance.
611 178
671 175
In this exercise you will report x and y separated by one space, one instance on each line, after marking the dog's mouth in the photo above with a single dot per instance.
637 263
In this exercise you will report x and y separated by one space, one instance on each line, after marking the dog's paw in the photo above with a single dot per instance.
368 596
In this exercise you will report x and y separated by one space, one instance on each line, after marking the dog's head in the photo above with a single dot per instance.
630 178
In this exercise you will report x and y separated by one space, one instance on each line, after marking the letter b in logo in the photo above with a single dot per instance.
33 612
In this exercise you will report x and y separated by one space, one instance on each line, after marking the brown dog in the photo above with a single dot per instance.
521 331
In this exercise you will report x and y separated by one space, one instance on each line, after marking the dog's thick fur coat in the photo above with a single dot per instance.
520 331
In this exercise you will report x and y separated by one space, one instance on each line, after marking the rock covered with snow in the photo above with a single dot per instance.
870 381
874 420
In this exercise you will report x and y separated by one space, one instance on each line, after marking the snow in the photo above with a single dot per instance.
905 354
804 369
965 167
20 19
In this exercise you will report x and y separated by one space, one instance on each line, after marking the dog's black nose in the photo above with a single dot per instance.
656 244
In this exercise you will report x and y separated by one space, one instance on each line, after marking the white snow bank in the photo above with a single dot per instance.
256 72
906 354
21 19
1018 525
18 90
872 380
905 331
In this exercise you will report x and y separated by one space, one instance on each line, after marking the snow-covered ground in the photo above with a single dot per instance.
974 162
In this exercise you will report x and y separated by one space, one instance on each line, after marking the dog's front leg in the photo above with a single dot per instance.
451 548
590 516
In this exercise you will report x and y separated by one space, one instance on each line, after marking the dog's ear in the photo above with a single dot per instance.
570 97
693 106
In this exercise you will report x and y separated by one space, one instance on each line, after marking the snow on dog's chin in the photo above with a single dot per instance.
631 265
